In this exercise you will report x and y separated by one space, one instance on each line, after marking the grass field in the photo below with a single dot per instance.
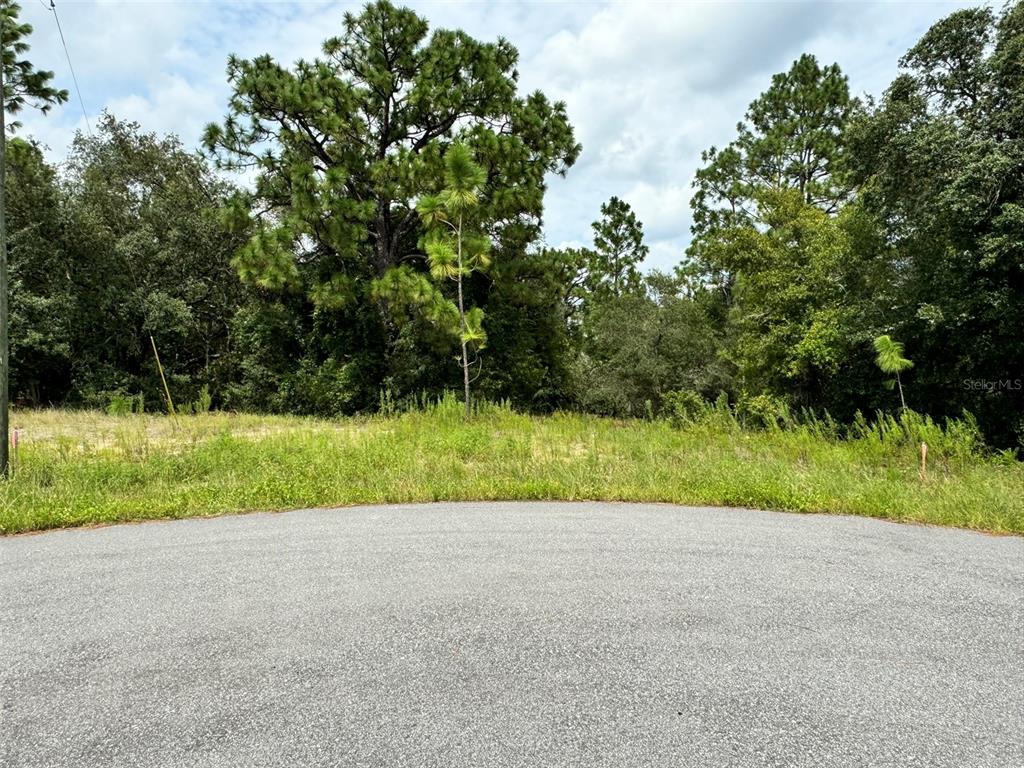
77 468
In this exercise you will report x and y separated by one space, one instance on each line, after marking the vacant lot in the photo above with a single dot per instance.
76 468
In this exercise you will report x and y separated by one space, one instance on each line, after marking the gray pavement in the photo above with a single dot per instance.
536 634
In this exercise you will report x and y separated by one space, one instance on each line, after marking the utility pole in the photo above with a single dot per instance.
5 366
26 83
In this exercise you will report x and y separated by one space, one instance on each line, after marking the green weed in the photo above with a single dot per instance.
78 468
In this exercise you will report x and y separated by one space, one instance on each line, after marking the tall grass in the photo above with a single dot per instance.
76 468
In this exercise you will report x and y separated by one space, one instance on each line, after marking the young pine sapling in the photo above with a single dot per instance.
456 247
891 360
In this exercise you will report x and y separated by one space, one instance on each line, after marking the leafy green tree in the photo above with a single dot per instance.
41 267
950 60
150 259
607 269
802 301
792 270
940 163
344 145
641 345
889 358
21 84
572 266
792 138
636 337
454 245
533 343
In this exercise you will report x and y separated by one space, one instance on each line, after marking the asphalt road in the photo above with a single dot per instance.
512 635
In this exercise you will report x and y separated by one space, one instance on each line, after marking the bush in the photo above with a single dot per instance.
683 406
763 411
955 439
204 401
121 404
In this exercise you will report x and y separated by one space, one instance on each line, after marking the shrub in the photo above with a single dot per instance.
763 411
954 439
683 406
121 404
204 401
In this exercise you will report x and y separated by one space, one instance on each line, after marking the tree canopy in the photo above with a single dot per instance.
345 145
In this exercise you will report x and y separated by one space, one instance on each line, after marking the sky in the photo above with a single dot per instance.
648 85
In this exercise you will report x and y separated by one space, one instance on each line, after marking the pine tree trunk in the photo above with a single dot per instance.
899 384
462 325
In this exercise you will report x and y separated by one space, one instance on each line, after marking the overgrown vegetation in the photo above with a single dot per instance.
827 222
396 199
77 468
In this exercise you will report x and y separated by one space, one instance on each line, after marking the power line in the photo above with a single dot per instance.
81 103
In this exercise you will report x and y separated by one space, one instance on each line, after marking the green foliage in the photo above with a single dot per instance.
147 257
329 388
42 294
395 213
267 261
641 345
795 273
463 180
826 224
889 358
20 84
24 85
792 138
763 411
531 354
618 250
940 162
121 404
683 406
122 245
456 246
956 440
751 412
346 146
607 270
890 355
204 402
473 334
803 299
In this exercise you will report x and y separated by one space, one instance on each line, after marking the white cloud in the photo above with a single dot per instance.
659 206
172 104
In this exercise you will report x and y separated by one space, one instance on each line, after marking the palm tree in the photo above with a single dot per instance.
891 360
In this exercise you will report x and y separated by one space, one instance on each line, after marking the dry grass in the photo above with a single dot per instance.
95 430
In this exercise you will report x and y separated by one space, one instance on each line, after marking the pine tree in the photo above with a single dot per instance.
344 145
792 138
618 250
891 360
455 246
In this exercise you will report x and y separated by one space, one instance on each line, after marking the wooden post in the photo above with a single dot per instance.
167 391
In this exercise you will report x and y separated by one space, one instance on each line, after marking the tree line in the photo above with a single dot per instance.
387 244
